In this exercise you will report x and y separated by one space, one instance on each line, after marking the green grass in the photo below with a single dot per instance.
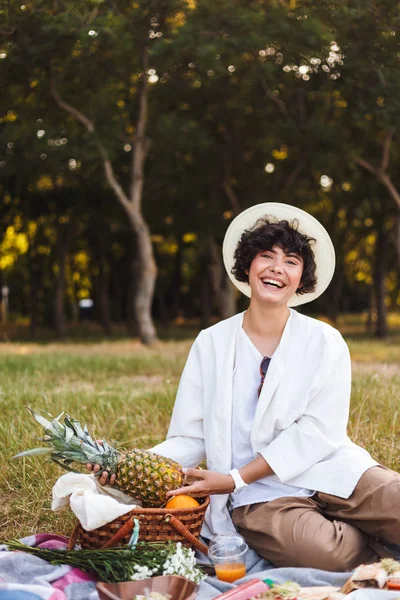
125 392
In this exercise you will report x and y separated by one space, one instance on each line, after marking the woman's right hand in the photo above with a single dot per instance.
103 479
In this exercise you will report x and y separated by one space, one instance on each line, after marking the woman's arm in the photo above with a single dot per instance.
185 440
211 482
185 437
323 426
315 435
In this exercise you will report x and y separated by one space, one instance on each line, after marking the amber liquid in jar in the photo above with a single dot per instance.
230 571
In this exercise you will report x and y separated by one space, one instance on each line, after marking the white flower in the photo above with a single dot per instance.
142 573
182 561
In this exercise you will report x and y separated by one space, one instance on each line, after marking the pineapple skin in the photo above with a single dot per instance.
148 476
140 473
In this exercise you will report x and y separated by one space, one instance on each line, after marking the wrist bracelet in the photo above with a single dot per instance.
237 478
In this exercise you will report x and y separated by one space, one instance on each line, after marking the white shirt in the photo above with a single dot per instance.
301 416
246 380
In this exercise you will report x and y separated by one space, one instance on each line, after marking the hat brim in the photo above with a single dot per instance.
324 252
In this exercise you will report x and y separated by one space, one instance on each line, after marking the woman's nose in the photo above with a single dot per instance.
276 268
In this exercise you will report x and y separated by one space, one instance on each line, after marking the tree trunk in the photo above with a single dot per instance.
34 306
34 293
162 307
130 292
230 302
206 308
74 308
73 304
64 238
371 310
397 241
333 308
221 286
36 271
131 203
58 308
175 289
381 330
102 285
145 280
103 294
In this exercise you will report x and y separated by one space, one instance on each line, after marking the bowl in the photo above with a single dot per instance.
178 588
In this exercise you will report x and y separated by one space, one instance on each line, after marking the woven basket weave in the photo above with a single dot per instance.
156 525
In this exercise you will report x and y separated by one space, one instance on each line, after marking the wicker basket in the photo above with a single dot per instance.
156 525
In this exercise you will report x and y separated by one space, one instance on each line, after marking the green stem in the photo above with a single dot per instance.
111 565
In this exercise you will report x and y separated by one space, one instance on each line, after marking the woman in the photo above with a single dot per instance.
264 398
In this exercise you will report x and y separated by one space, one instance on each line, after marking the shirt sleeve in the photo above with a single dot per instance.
320 430
185 438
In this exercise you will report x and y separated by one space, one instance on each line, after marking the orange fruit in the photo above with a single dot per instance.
182 501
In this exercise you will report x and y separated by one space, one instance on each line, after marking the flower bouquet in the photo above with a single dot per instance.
126 563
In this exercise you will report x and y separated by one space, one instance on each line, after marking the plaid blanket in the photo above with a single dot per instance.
27 577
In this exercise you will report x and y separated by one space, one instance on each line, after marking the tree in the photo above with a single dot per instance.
79 41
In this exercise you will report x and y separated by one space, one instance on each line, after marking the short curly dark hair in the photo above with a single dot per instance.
266 234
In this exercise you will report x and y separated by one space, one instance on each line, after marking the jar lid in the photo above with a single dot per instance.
227 544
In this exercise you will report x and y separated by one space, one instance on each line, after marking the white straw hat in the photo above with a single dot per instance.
323 249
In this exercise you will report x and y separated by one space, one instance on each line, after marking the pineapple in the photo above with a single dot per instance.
139 473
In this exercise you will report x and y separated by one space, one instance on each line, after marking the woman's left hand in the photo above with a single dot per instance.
209 482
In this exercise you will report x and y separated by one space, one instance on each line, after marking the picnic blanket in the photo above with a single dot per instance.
24 576
27 577
259 568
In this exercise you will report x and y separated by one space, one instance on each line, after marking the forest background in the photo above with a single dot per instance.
132 133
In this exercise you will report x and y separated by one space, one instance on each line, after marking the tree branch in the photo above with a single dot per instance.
386 149
232 197
9 32
89 125
74 112
291 180
267 91
113 181
380 172
226 182
393 191
367 165
301 106
276 100
141 144
92 15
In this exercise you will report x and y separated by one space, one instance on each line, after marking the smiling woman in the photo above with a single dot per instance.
278 245
275 276
264 398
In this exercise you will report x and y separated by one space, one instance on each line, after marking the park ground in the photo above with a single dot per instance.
125 392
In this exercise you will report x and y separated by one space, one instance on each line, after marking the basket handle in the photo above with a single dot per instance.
184 532
74 538
121 533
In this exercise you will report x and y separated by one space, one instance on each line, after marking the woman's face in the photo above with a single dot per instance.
274 276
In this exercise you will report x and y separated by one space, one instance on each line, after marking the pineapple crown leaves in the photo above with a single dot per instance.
70 442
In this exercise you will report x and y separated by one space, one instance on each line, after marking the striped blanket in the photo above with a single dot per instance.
27 577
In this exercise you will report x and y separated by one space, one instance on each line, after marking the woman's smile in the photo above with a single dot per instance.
272 283
275 274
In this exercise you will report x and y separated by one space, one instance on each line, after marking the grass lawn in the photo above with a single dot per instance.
125 392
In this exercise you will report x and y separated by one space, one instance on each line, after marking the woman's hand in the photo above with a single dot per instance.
209 482
103 479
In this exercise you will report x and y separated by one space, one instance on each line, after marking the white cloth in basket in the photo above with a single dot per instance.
94 505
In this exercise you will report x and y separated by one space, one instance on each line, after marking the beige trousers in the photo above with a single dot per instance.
324 531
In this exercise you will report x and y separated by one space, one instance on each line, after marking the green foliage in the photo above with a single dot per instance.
248 103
